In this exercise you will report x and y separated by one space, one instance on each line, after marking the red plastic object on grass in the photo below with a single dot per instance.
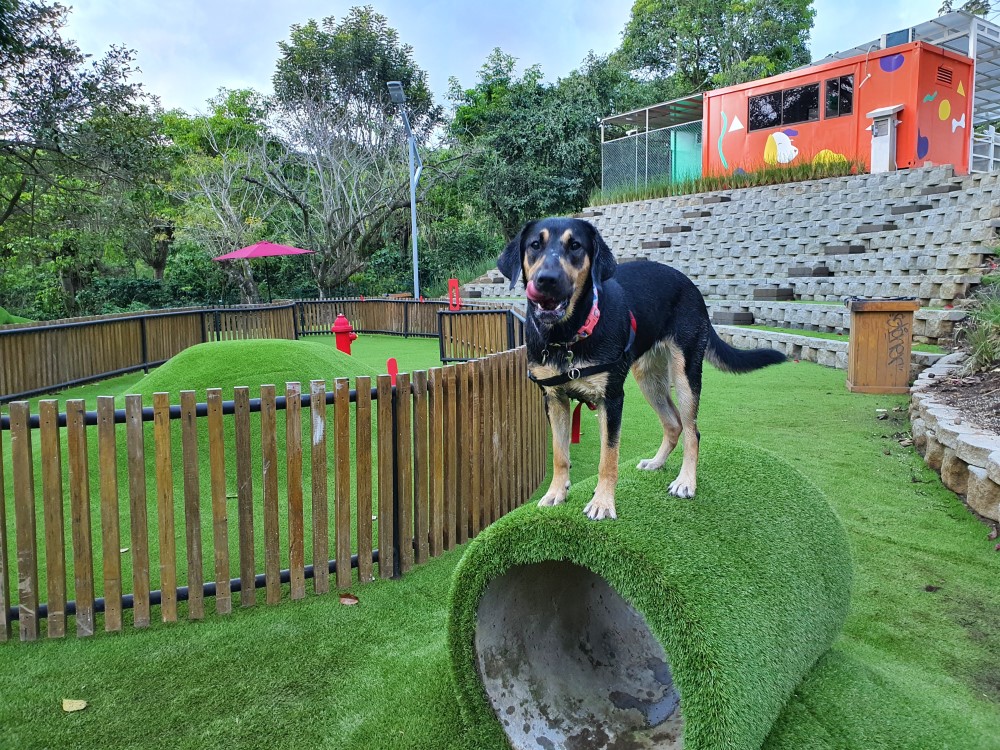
392 367
343 331
454 298
575 438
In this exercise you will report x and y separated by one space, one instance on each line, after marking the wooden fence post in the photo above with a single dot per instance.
293 484
386 477
165 507
269 440
24 521
139 530
363 474
52 500
403 430
244 495
220 517
342 511
318 494
192 505
79 494
107 452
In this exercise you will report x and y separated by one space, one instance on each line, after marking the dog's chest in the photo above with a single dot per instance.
590 389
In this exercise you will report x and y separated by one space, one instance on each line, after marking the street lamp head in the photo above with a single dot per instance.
396 93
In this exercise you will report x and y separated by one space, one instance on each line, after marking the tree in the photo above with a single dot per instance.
531 145
700 43
63 119
225 206
976 7
335 157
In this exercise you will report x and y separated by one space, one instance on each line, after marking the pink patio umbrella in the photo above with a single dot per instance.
262 249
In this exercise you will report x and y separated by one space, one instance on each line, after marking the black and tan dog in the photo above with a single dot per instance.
589 322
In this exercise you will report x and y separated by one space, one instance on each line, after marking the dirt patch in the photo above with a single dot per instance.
975 397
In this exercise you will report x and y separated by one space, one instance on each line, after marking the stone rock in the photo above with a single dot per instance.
954 472
976 448
993 466
983 494
934 452
918 429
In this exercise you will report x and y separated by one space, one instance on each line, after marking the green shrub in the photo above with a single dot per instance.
980 334
755 177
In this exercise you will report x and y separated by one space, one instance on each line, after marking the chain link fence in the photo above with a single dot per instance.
666 155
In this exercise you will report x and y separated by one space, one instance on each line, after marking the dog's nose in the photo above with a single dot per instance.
546 279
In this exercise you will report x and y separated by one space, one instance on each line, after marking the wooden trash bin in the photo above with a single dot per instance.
878 358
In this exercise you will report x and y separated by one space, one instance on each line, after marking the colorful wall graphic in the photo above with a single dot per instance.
799 117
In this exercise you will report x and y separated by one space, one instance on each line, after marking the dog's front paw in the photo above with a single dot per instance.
683 486
554 496
600 507
650 464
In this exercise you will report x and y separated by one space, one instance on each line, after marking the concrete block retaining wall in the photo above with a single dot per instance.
806 348
966 457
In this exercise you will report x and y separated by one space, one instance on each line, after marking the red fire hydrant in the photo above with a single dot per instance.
344 333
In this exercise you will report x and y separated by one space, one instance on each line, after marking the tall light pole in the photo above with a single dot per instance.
398 97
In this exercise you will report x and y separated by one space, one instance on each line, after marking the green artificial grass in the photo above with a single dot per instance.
744 587
254 362
218 364
914 668
7 318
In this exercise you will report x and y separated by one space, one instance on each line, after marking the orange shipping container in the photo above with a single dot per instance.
819 113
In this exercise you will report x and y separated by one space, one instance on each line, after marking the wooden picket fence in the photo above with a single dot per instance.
469 334
428 463
43 357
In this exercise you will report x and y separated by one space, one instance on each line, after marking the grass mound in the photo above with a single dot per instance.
744 587
254 362
7 318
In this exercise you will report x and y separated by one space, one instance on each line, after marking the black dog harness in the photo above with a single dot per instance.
574 373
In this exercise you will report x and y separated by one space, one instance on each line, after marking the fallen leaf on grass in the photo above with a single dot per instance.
348 600
906 442
993 534
70 705
123 550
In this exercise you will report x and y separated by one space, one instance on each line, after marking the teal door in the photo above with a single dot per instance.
685 153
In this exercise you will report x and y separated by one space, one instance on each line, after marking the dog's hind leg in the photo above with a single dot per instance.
557 407
687 383
652 373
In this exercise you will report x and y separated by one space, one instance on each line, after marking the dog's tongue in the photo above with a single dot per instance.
533 294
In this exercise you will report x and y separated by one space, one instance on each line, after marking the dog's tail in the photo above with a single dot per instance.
730 359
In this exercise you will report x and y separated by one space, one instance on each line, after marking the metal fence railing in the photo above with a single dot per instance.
655 156
985 151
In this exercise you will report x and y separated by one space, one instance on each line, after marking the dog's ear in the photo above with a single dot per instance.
509 262
604 263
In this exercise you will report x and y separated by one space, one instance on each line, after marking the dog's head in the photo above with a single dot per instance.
556 257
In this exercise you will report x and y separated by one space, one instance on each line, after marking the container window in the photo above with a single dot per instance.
765 111
800 104
840 96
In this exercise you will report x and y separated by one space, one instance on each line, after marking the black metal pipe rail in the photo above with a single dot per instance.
201 410
184 592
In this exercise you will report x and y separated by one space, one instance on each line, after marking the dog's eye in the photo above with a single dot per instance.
574 245
535 245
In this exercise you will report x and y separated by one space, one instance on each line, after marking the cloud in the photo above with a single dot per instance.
188 49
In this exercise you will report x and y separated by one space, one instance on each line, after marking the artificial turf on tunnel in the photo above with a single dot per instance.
744 587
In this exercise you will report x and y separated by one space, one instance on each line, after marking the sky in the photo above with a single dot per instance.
188 49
